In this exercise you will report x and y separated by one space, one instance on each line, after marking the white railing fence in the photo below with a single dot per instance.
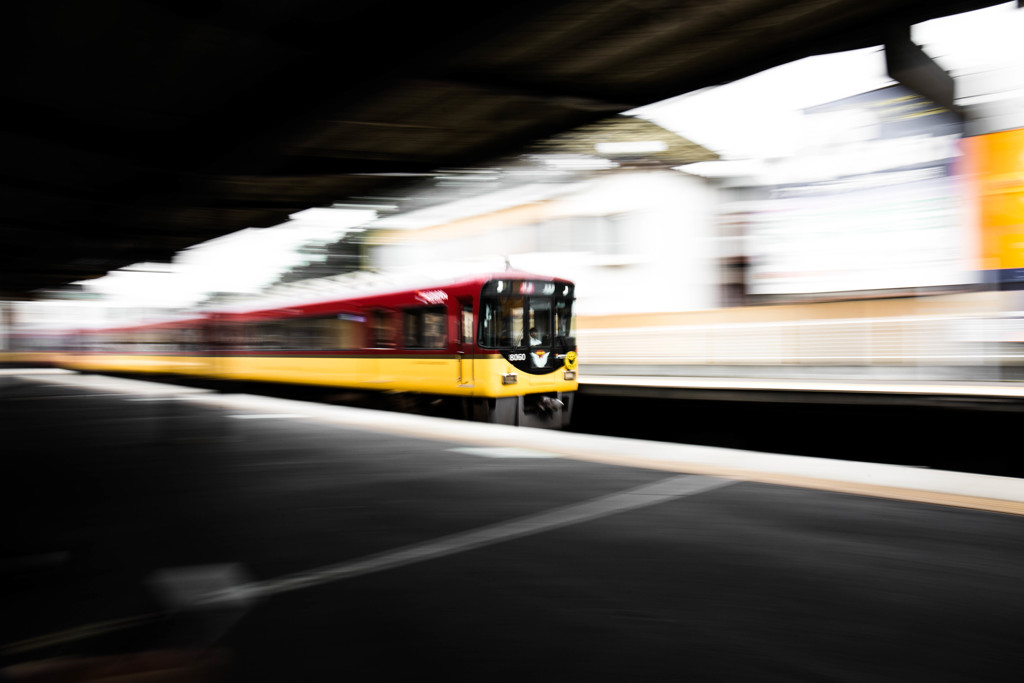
944 340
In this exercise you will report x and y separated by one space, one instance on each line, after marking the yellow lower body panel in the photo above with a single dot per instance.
42 358
427 375
484 377
186 365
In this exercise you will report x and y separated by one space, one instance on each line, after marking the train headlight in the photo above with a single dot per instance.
509 378
569 374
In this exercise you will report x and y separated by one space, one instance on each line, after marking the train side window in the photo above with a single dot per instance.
190 340
466 329
302 334
425 328
413 331
315 334
382 330
270 336
345 331
233 335
292 334
253 339
246 337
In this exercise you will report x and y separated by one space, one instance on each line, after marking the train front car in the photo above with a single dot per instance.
526 369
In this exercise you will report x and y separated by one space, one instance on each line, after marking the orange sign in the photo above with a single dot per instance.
996 170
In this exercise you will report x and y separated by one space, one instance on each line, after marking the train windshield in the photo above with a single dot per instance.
524 314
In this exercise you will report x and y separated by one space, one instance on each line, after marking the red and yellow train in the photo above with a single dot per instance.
501 347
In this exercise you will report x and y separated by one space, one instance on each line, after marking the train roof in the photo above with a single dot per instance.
382 289
386 292
182 320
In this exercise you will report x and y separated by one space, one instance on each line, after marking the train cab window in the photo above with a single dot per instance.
510 310
540 319
565 322
425 328
382 330
501 322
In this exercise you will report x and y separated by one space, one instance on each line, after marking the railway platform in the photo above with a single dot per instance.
292 540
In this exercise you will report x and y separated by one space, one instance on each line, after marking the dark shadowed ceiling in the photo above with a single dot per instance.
136 128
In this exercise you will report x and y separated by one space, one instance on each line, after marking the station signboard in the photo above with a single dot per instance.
873 200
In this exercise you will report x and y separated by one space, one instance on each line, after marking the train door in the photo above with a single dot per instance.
465 350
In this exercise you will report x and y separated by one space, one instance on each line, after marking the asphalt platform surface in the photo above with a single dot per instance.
280 547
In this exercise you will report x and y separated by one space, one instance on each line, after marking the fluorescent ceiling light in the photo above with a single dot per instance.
575 162
347 217
636 147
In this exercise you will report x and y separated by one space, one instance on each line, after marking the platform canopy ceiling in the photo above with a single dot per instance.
133 128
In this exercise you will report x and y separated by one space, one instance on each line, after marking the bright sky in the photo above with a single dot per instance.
754 118
243 261
758 117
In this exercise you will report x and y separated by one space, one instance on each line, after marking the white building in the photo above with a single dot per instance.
634 234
